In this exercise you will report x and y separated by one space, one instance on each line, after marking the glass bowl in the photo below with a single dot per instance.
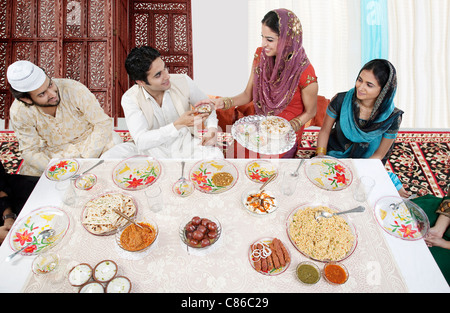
336 269
210 235
306 273
307 234
45 263
401 218
86 181
26 229
130 228
258 203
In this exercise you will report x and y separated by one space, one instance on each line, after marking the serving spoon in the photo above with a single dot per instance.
183 187
261 189
328 214
127 218
41 236
271 178
295 174
95 165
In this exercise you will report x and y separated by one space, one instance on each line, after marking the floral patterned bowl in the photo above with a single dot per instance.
136 173
61 169
214 176
328 173
26 229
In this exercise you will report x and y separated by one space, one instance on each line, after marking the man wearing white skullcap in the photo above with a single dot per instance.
56 118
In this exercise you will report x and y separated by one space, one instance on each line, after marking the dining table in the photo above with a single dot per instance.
380 262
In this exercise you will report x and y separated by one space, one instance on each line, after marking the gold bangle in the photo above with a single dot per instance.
297 123
227 103
321 150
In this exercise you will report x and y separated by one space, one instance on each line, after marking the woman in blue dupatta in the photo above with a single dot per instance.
364 122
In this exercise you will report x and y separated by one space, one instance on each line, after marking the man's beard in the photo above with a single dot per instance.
48 105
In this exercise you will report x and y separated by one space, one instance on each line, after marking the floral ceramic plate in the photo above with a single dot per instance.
26 229
136 173
328 173
214 176
62 169
259 171
401 218
262 252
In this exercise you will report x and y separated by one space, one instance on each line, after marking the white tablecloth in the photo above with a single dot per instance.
386 264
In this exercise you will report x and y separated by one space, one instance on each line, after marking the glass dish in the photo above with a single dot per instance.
98 218
328 173
146 220
45 263
260 204
136 173
306 231
246 131
185 238
259 171
401 218
61 169
26 229
264 252
86 181
214 176
338 267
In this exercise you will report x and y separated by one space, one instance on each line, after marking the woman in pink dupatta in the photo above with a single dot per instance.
282 81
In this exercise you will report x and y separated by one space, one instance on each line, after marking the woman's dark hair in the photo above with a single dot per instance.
271 20
138 62
380 70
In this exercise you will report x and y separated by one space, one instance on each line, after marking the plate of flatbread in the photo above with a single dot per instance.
98 216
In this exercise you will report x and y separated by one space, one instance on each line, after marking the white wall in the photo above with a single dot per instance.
220 44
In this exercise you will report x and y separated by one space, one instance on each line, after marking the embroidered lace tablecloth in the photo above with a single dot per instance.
169 266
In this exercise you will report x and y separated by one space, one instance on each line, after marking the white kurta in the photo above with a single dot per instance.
159 138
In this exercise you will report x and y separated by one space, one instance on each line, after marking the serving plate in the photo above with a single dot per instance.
136 173
259 171
98 217
61 169
308 231
246 131
265 254
214 176
26 229
406 221
328 173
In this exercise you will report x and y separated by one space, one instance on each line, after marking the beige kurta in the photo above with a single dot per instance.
80 129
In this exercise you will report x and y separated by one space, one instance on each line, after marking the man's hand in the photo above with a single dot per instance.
189 119
209 138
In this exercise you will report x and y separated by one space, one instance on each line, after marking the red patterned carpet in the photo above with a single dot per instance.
420 159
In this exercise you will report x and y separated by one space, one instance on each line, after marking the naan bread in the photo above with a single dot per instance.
99 217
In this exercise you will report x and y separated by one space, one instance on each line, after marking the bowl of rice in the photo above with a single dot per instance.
323 240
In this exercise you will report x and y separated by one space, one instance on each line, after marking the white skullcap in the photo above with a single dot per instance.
24 76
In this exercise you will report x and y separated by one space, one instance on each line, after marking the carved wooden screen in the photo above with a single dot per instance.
68 38
166 26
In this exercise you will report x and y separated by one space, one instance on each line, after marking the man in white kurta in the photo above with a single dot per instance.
159 116
55 118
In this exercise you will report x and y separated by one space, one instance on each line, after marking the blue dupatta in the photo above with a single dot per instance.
366 140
